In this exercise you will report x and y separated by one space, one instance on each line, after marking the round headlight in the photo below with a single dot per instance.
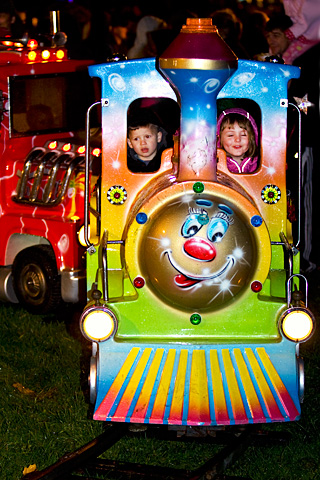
98 324
297 324
81 237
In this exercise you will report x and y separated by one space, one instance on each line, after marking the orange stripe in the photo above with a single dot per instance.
163 389
239 412
279 386
199 412
220 406
252 397
141 407
106 404
271 405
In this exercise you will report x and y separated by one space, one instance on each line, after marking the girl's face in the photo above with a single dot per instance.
235 141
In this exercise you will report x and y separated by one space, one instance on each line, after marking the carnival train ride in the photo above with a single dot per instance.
194 307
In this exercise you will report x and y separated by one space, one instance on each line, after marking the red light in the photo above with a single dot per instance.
53 145
96 152
81 149
256 286
66 147
139 282
32 43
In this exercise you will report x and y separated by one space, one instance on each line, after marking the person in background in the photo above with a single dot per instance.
117 40
230 29
304 32
253 34
10 22
144 46
275 30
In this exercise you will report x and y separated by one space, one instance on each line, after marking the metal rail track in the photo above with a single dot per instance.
85 464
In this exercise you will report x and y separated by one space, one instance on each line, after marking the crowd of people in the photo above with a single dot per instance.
287 31
138 29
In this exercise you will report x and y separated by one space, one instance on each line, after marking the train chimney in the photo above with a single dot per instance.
198 63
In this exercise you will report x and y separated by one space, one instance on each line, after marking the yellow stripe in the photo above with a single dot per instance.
284 396
220 405
105 406
272 372
128 395
178 393
199 398
145 394
266 393
234 392
252 397
162 393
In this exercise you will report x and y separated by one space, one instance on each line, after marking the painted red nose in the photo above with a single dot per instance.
200 249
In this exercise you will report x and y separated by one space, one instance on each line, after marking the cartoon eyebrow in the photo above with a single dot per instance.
197 211
225 217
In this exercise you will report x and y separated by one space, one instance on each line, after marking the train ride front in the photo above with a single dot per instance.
191 270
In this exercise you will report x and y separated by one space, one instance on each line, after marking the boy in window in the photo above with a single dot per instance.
146 142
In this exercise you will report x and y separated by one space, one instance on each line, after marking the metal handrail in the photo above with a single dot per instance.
91 249
300 175
289 288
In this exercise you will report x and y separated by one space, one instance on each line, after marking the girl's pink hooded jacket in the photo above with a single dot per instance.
248 164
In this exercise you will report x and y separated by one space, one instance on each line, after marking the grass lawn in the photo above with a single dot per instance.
44 409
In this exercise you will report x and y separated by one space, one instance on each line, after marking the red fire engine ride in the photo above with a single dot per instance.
43 100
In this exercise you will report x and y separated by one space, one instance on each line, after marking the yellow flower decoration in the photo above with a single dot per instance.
117 194
271 194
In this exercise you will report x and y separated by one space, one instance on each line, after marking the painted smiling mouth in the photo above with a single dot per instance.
185 279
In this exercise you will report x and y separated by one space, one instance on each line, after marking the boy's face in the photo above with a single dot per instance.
277 41
144 141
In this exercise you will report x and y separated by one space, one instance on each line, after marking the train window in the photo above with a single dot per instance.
151 125
51 103
238 128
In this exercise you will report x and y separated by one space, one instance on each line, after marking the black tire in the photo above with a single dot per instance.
36 281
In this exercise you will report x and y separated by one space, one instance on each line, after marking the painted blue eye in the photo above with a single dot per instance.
191 226
217 229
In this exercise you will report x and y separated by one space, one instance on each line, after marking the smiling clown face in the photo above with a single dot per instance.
198 254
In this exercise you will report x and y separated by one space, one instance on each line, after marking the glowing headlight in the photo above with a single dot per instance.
98 324
297 324
81 237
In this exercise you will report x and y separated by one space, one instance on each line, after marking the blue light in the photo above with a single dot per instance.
256 221
141 218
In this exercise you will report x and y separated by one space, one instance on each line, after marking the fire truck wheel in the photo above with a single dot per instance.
35 279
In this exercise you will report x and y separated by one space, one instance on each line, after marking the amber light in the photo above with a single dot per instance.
60 54
45 54
66 147
52 145
96 152
32 56
81 149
